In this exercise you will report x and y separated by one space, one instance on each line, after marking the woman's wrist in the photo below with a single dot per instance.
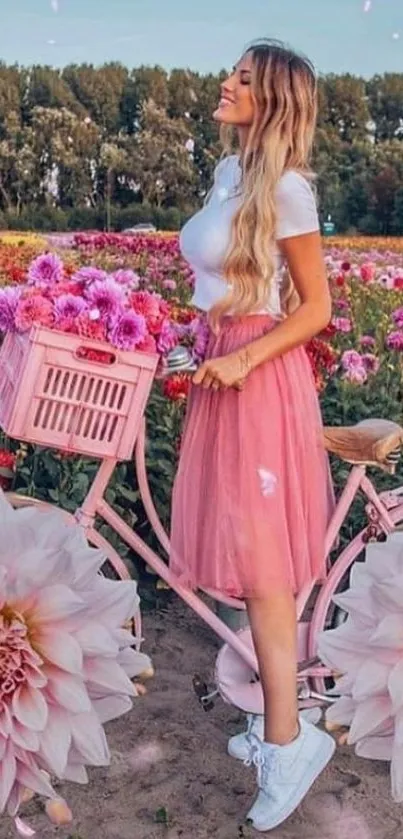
253 355
245 362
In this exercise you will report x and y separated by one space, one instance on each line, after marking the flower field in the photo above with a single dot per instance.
134 292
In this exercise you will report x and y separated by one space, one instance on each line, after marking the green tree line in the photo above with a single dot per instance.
107 146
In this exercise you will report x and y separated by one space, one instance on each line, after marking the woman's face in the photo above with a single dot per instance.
236 105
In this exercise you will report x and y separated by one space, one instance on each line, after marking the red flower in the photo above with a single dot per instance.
323 359
346 266
7 468
328 331
177 387
340 280
87 328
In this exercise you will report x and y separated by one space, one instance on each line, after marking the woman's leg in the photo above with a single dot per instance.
273 623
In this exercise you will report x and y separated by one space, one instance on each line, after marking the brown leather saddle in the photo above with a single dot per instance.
372 442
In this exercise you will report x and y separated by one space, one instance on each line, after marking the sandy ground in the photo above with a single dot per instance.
170 777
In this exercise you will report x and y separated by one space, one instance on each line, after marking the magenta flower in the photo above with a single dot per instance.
351 359
168 338
169 285
341 304
201 333
126 277
371 363
394 341
107 297
128 330
367 341
66 664
45 270
9 299
357 375
88 275
342 324
352 364
68 307
397 317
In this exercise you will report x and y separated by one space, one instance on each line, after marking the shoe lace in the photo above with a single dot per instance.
266 763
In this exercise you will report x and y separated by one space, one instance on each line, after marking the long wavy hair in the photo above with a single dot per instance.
284 94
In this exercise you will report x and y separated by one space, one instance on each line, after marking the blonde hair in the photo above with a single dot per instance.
284 94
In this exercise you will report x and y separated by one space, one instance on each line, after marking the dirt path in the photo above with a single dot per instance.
170 776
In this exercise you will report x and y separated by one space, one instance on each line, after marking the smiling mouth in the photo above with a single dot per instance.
225 101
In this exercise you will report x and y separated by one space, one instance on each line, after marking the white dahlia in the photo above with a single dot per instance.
368 650
65 662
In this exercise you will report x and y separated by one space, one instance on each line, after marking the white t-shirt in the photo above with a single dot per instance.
205 239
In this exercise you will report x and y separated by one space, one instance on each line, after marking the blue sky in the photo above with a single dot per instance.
205 35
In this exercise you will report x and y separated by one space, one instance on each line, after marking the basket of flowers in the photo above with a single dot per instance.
79 357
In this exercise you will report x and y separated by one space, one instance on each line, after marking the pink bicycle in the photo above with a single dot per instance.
53 393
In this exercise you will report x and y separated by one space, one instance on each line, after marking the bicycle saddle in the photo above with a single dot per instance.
372 442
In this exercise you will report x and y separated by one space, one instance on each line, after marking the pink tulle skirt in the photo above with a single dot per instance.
252 495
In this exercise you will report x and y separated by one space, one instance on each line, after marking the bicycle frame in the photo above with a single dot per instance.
96 505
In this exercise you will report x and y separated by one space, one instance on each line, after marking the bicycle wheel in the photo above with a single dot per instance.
326 614
113 568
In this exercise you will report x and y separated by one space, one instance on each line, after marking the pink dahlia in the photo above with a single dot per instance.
368 651
9 300
354 367
397 317
128 331
167 339
148 344
367 341
34 309
89 274
66 664
394 341
146 304
342 324
45 270
107 297
126 277
67 308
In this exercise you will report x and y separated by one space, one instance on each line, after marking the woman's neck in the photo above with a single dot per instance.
243 133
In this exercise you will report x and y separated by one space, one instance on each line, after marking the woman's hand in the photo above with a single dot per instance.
228 371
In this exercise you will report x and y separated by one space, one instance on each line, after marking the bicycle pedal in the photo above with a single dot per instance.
202 692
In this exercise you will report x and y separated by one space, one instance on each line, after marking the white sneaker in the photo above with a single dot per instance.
286 773
239 746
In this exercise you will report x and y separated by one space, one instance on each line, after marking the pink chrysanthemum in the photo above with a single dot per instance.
65 663
126 277
31 310
128 331
148 344
397 317
394 341
9 300
342 324
368 650
107 297
167 339
45 270
67 308
89 274
146 304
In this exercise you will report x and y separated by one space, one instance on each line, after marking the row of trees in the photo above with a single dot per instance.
86 141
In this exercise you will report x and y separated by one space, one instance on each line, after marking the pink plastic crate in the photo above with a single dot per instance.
51 396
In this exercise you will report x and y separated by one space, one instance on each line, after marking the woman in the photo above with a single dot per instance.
251 501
